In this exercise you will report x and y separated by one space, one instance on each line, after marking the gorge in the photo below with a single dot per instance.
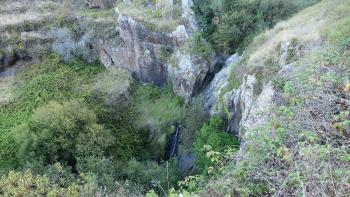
174 98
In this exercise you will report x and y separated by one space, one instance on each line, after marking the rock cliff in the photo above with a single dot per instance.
159 57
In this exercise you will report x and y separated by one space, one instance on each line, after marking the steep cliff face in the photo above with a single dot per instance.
158 57
154 42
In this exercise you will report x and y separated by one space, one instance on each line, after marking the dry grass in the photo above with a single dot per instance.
307 27
17 12
160 16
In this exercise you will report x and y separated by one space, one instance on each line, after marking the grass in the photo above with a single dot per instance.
264 52
159 17
157 105
97 13
319 17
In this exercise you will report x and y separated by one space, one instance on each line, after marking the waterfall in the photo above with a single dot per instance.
172 148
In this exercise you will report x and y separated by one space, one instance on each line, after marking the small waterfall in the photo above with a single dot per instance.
172 147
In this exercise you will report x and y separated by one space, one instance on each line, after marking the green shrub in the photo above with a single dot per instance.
17 183
104 170
152 175
36 86
211 134
158 109
200 46
61 133
112 86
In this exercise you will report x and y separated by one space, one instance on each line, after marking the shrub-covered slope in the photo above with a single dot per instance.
295 138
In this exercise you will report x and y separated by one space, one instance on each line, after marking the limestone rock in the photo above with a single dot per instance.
157 57
214 90
140 51
189 14
239 102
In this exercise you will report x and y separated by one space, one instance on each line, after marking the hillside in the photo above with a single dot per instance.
295 127
175 98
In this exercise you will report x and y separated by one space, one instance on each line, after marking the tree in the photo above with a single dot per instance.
61 133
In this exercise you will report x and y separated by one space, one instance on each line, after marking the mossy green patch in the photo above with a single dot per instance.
38 85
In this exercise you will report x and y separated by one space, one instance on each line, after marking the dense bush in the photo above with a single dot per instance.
56 183
59 181
62 133
152 175
230 25
211 134
85 118
36 86
105 171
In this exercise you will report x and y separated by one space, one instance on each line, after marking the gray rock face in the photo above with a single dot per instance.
256 114
214 90
239 102
141 50
289 52
70 47
156 57
189 14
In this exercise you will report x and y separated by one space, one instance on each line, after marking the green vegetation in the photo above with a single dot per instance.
95 124
231 25
65 113
77 129
212 137
201 47
159 110
58 181
61 133
147 173
97 13
305 132
39 85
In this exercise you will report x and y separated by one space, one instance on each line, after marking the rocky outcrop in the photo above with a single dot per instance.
10 58
158 57
238 103
216 87
141 50
188 14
